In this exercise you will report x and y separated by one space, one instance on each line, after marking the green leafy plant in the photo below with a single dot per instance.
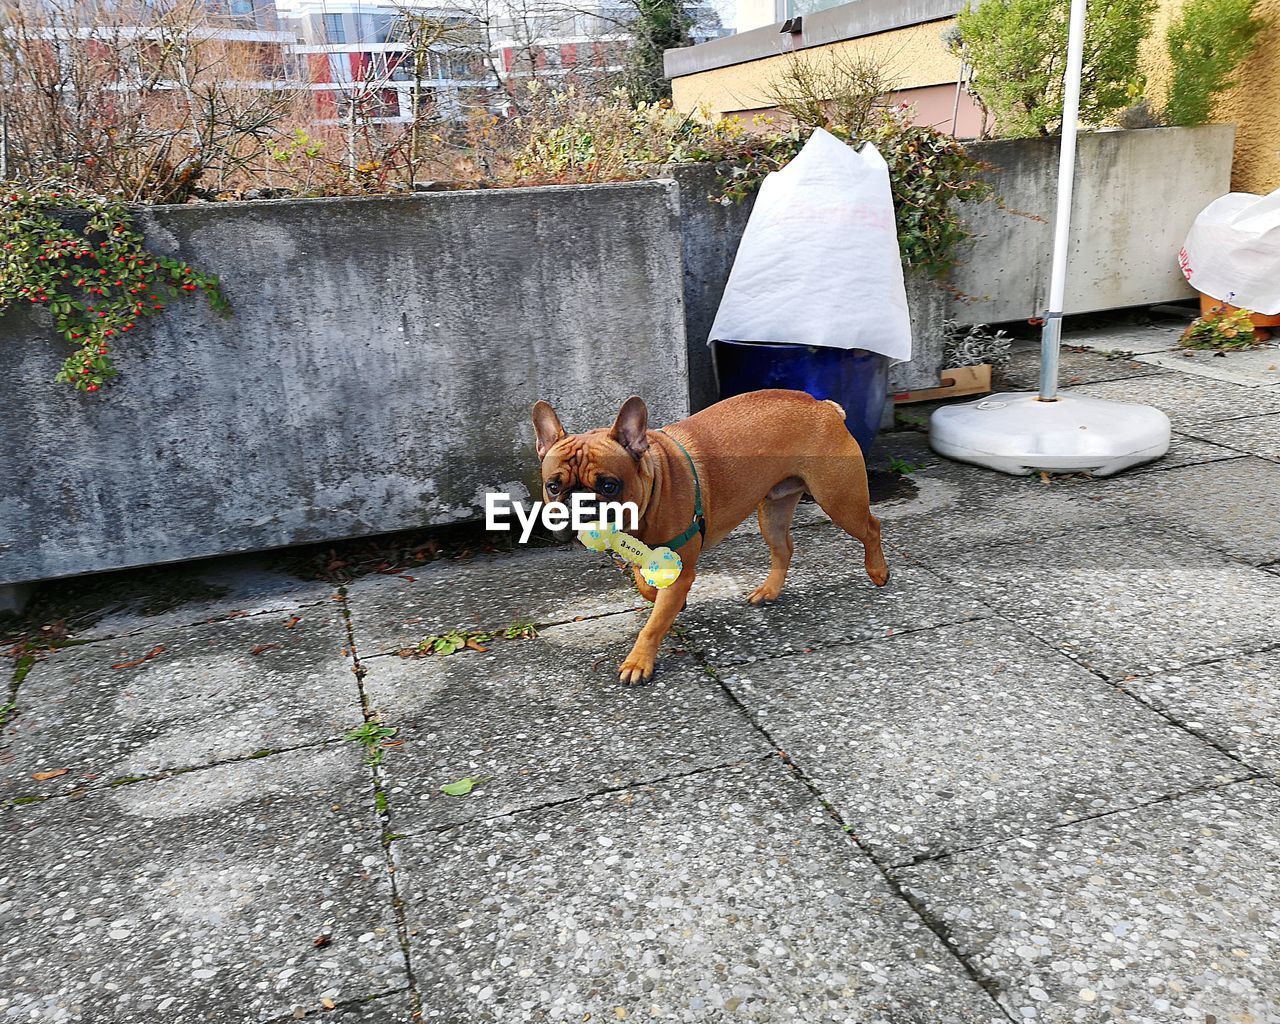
657 26
1220 328
474 640
930 174
902 467
83 260
1017 47
1207 42
371 736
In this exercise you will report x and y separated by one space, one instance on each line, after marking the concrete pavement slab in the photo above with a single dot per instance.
1022 373
1190 402
728 895
1251 368
161 597
179 698
1234 702
545 720
1256 435
827 599
1156 337
1233 506
1126 600
390 1008
1164 914
198 897
951 737
542 585
1185 450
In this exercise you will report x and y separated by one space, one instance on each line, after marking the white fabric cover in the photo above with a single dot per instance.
1232 252
819 262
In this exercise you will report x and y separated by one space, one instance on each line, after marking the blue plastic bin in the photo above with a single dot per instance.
855 378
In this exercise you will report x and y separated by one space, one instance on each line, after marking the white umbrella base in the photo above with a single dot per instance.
1019 434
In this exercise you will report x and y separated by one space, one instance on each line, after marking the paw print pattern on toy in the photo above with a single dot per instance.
660 567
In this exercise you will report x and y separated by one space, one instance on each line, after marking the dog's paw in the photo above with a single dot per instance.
764 594
636 670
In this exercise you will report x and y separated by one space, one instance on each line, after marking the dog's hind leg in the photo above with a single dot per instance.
775 514
839 486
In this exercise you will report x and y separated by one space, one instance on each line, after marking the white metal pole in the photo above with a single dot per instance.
1051 336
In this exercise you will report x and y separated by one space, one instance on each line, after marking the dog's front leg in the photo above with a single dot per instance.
638 668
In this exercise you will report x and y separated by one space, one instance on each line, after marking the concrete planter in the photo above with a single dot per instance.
384 353
377 373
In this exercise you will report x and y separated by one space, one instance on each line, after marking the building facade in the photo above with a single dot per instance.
908 37
376 56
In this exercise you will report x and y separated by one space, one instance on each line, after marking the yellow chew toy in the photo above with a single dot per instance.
658 566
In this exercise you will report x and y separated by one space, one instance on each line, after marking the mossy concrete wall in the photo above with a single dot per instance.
376 375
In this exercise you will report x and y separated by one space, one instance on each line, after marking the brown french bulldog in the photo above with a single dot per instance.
696 480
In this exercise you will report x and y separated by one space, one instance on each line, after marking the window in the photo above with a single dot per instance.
334 32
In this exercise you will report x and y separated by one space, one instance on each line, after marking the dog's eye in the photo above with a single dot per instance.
553 486
609 487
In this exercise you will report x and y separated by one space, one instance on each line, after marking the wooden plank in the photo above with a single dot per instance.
962 380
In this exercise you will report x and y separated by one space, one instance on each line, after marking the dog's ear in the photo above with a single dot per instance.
631 428
546 428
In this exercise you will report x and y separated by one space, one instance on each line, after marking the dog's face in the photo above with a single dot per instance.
608 464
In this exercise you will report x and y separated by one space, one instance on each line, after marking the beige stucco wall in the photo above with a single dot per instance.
917 57
1253 106
914 56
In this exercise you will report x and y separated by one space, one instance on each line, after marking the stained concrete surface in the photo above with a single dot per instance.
1034 778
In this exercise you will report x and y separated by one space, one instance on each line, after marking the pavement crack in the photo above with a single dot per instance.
382 808
1049 830
103 786
936 925
580 797
1118 684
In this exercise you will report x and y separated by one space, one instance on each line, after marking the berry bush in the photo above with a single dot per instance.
83 260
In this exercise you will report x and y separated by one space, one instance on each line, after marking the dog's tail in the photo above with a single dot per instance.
836 405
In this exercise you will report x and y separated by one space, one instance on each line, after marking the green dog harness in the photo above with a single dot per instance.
699 525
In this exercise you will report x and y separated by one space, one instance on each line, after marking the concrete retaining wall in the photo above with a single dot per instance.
1136 195
377 374
379 368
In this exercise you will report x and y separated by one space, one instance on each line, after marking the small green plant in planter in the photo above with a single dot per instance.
1220 329
83 260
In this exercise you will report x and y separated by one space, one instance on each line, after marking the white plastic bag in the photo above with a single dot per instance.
1232 252
819 262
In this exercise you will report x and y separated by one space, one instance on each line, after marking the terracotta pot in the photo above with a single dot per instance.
1260 320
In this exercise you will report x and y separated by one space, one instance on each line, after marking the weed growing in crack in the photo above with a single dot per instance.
371 736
